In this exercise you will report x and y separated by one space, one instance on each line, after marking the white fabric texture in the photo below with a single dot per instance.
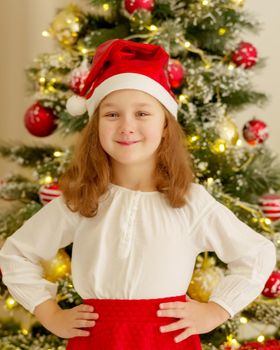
138 247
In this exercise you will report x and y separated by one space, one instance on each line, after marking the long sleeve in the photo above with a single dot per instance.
40 237
250 257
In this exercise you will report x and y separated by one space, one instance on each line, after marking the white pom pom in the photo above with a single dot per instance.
76 105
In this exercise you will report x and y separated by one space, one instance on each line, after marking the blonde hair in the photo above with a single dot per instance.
89 173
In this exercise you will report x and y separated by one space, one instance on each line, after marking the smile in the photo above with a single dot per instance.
127 143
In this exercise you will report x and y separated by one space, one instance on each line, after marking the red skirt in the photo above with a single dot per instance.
132 325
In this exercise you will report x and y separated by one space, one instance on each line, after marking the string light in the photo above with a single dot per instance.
222 31
210 181
46 180
106 7
45 34
231 66
267 221
187 44
205 2
239 142
153 28
24 331
183 98
10 303
243 320
57 154
260 338
42 80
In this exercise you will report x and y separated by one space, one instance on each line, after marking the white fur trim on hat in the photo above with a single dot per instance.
132 81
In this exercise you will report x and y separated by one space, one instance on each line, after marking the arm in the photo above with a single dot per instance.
39 238
250 257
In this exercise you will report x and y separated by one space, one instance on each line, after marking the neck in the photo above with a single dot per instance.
134 177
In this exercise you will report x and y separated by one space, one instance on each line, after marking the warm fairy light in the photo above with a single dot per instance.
260 338
234 342
194 138
84 50
61 269
57 154
48 180
24 331
45 34
153 28
231 66
239 142
243 320
10 303
205 2
187 44
42 80
267 221
106 7
219 146
254 220
183 98
210 180
222 31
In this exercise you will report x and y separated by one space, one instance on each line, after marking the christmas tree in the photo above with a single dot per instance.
210 70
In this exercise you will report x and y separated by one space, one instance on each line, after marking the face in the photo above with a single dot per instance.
131 124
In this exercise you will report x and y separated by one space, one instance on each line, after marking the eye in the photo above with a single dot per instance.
111 115
142 114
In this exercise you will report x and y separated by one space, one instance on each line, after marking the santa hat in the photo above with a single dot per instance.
123 64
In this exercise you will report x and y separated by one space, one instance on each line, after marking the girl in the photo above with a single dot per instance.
136 220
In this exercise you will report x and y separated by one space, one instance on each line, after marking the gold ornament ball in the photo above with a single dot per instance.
58 267
228 131
67 25
205 278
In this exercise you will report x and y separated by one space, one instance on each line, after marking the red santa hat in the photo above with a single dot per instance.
123 64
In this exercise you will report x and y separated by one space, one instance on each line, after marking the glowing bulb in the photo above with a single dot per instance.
194 138
10 303
187 44
239 142
183 98
267 221
45 34
243 320
84 50
153 27
231 66
24 331
48 179
106 7
42 80
57 154
260 338
210 180
222 31
234 342
254 220
205 2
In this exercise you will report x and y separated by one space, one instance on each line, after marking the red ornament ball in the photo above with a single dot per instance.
270 206
133 5
78 77
246 54
39 121
272 286
48 192
255 131
176 73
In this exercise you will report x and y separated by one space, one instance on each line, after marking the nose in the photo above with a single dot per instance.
126 126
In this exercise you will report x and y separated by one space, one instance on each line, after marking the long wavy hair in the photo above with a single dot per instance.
89 173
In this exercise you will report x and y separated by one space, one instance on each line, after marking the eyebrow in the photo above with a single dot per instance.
143 104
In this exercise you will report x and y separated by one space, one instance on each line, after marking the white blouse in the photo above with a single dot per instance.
138 247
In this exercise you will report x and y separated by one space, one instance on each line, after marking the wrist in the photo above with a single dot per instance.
222 314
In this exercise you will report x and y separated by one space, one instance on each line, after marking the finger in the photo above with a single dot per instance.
187 333
85 308
172 305
173 326
79 333
87 316
178 313
83 323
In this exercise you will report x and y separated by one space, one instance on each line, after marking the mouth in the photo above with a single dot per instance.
127 143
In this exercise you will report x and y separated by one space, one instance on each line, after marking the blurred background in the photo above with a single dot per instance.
22 23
